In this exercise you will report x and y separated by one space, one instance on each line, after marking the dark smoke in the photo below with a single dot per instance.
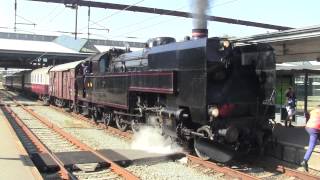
199 10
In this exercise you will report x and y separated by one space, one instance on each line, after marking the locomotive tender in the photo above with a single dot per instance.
213 93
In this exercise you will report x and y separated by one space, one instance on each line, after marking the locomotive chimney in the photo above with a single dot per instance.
200 8
199 33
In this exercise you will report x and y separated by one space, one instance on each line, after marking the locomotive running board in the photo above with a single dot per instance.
214 151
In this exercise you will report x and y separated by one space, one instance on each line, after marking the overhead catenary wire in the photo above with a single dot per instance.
130 25
113 14
146 20
228 2
25 19
50 13
58 14
164 21
56 32
26 22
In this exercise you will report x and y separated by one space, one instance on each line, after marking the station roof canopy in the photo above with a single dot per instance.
24 46
67 66
298 67
301 44
31 51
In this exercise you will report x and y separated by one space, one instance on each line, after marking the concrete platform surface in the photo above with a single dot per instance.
15 163
292 143
293 136
127 157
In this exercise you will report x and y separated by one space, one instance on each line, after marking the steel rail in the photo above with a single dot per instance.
35 172
295 173
279 168
116 168
63 172
225 170
107 128
274 164
193 159
231 172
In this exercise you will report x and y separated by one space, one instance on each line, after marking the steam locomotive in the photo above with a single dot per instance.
212 93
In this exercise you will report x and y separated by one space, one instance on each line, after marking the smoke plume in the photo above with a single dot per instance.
199 10
150 139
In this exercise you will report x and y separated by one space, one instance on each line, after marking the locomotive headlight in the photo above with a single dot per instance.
226 43
213 111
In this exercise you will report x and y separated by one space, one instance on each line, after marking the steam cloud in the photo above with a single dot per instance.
150 139
199 9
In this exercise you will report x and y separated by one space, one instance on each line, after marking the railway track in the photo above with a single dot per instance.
208 168
48 138
152 170
262 170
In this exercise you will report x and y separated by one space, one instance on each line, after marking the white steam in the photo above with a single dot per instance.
150 139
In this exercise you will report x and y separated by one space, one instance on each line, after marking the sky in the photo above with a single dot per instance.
53 18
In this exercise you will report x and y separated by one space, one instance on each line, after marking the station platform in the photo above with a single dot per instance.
15 163
291 145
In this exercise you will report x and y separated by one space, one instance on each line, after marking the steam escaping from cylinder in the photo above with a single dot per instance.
199 14
150 139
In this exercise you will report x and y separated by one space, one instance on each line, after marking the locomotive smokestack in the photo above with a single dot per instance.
200 8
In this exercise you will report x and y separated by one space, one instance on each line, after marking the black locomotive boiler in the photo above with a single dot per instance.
209 91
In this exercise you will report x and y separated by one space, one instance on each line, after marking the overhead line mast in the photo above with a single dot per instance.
15 16
106 5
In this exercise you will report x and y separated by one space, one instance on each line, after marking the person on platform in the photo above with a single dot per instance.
313 129
290 106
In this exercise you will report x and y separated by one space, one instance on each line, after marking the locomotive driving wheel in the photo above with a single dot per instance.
206 132
95 114
107 118
135 126
121 122
76 109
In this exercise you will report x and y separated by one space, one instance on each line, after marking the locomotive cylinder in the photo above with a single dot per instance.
230 134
